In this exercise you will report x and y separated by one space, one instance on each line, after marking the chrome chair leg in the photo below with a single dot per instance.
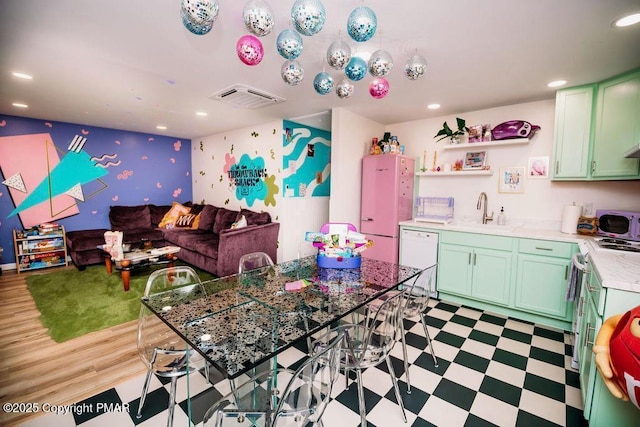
426 333
404 353
361 403
145 390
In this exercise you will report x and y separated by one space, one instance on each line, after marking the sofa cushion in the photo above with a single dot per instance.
138 236
189 238
157 213
255 218
208 247
123 218
224 219
170 217
85 240
207 217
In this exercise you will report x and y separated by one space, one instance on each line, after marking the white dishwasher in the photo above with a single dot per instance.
419 249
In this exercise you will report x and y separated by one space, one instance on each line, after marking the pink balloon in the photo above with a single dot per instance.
249 49
379 87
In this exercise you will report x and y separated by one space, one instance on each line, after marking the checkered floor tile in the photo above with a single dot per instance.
492 371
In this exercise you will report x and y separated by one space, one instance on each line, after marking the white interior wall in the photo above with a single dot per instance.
542 200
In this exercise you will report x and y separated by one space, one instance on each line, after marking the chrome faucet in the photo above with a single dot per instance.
485 217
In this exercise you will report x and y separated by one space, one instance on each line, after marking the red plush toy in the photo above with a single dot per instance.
617 352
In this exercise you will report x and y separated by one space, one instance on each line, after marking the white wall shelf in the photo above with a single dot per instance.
456 173
480 145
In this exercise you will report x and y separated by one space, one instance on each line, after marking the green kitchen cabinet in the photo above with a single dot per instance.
541 280
594 126
601 408
572 134
617 127
476 265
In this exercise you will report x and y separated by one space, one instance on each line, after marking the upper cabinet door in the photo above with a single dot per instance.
617 127
572 134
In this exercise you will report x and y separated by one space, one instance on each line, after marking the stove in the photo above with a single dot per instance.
617 244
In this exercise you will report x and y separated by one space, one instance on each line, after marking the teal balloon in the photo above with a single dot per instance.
323 83
362 24
289 44
356 69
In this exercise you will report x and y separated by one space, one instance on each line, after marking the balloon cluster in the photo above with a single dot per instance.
308 17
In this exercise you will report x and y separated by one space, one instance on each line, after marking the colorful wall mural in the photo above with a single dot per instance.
306 161
72 174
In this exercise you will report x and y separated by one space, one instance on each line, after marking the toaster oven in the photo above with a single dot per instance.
619 224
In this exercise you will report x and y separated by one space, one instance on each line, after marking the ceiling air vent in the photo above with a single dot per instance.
242 96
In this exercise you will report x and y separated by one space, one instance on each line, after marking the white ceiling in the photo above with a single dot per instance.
110 63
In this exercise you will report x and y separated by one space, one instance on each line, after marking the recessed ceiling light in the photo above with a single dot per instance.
625 21
433 106
557 83
20 105
22 76
201 114
161 127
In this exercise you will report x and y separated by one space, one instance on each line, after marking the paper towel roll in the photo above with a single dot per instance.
570 216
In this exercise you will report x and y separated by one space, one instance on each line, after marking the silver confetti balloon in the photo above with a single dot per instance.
292 72
308 16
344 89
323 83
362 24
258 17
338 55
289 44
198 16
416 67
356 69
380 63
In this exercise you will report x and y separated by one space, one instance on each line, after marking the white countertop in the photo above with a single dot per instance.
617 269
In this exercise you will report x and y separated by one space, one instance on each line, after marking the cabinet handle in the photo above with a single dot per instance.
557 166
474 258
469 260
591 288
566 272
540 248
580 306
593 166
586 335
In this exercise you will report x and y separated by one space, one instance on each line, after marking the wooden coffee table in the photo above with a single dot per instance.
139 259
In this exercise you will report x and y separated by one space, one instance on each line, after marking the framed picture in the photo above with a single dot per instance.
538 167
475 133
511 180
474 160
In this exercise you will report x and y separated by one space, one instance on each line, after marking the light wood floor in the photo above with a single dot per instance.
36 369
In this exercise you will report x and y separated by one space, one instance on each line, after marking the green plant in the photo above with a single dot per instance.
446 131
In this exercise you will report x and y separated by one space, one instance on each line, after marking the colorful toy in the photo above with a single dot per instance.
617 350
339 245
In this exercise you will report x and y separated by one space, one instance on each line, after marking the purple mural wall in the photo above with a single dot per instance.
72 174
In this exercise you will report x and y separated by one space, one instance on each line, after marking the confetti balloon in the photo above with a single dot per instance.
356 69
344 89
308 16
379 87
198 16
258 17
380 63
292 72
416 67
249 49
289 44
362 24
338 55
323 83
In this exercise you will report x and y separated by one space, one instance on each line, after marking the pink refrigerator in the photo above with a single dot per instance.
386 199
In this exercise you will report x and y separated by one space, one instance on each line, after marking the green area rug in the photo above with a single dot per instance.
73 303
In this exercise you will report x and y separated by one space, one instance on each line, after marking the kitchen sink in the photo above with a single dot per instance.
477 225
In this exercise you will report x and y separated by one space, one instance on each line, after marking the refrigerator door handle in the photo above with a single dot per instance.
366 219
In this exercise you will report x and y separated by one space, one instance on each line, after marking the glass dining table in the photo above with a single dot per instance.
244 320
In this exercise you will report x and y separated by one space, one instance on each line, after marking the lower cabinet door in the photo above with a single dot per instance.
491 275
454 269
588 371
541 286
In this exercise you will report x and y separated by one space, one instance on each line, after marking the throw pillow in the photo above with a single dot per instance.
207 217
185 221
255 218
224 219
172 216
241 223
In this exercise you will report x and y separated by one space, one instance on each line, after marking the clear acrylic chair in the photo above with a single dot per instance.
161 349
369 343
254 261
282 397
416 300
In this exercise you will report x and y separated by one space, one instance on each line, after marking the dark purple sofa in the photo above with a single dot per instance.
213 246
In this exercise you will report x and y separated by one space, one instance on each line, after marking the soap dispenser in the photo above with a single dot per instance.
502 220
